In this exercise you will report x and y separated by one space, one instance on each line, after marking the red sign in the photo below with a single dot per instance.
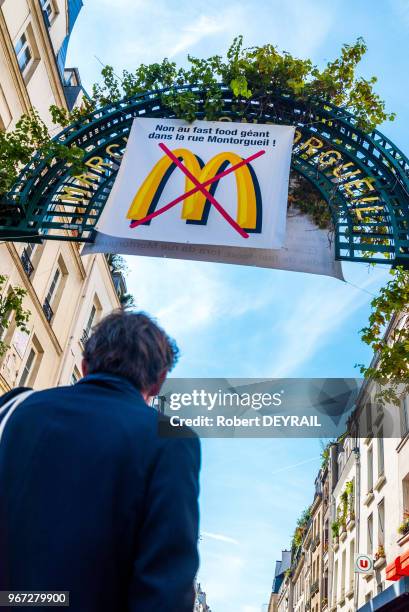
398 568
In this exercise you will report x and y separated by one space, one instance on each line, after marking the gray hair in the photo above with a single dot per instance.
131 345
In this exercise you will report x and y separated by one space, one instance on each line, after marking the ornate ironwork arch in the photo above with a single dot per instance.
364 178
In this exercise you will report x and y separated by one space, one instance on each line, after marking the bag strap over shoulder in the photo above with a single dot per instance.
9 407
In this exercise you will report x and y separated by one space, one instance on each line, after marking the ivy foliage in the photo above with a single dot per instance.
254 72
31 138
250 72
391 366
11 309
117 263
347 504
300 530
304 198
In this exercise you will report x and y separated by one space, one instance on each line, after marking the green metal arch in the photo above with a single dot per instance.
35 208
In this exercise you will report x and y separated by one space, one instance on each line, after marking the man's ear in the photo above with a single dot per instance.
84 367
155 389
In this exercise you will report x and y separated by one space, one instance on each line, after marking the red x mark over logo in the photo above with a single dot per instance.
202 188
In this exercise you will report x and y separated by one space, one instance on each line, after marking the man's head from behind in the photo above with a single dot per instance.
131 345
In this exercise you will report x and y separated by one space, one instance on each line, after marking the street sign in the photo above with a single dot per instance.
363 564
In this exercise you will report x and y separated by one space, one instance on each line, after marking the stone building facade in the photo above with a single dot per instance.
66 293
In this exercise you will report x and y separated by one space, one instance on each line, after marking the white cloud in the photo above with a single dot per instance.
188 296
139 31
219 537
305 26
192 33
294 465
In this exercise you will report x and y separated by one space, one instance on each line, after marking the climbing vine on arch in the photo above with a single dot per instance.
253 72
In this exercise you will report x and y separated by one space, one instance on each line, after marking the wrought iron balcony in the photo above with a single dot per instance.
314 587
26 261
48 311
84 337
315 542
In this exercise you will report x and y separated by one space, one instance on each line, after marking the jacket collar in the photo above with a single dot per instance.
119 383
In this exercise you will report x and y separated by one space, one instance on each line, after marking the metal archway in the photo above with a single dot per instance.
363 177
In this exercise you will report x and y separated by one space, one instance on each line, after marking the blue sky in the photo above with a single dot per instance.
244 322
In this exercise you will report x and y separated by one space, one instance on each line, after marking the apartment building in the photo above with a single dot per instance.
343 528
360 507
200 604
383 474
298 580
308 572
316 547
325 483
66 293
282 566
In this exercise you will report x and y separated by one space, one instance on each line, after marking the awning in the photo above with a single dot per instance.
393 599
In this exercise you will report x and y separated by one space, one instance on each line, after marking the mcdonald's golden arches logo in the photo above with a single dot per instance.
196 207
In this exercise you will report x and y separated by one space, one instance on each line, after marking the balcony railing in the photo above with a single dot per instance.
48 311
314 587
315 542
27 265
84 337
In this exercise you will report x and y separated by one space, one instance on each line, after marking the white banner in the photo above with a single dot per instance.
208 183
306 249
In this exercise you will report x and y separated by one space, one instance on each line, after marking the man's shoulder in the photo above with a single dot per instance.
9 395
168 430
173 437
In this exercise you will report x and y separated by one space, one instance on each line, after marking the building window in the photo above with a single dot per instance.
370 535
49 11
87 328
30 248
27 367
56 289
351 564
381 452
48 311
32 364
23 52
343 573
370 470
405 495
27 53
335 589
75 376
381 523
5 113
405 416
325 585
54 284
341 461
369 419
26 258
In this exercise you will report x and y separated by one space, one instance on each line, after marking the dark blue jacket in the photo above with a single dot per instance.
94 502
